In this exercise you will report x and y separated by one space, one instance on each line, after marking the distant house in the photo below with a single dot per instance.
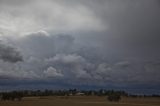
80 94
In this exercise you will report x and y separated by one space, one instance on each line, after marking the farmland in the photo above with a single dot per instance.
82 101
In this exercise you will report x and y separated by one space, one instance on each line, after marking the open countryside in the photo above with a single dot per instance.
79 52
82 101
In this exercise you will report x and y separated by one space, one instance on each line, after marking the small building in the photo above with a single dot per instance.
80 94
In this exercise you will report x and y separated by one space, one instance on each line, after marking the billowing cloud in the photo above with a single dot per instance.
73 65
68 59
52 73
49 15
81 42
9 53
43 44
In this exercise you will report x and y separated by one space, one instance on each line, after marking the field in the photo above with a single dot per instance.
81 101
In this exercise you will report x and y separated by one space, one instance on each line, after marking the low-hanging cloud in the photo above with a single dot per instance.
81 42
9 54
52 73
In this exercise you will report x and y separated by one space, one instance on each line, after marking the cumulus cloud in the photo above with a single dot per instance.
60 57
43 44
52 73
80 42
71 64
9 70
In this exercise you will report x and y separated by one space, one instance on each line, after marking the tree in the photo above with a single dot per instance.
114 97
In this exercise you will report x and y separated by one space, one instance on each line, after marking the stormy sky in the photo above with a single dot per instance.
100 43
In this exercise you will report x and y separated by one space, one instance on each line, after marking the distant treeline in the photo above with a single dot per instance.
18 95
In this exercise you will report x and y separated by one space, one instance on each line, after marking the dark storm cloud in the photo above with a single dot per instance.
61 57
42 44
104 41
132 24
9 54
132 32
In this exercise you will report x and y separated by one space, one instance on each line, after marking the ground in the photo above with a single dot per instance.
81 101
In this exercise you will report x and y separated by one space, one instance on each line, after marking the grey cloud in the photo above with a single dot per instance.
49 15
133 27
123 64
123 71
72 65
152 71
52 73
9 70
9 54
14 2
83 41
42 44
68 60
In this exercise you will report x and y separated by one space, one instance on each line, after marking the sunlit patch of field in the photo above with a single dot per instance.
81 101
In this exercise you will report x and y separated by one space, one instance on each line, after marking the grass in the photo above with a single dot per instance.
81 101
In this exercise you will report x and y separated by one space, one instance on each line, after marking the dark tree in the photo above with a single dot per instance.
115 97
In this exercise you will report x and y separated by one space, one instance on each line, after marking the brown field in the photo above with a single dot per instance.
81 101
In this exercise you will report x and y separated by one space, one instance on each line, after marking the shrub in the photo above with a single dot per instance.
114 97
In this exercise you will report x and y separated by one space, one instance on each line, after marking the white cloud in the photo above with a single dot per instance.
17 20
52 72
68 59
38 33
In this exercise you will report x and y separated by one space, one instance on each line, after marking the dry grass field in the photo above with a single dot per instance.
81 101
